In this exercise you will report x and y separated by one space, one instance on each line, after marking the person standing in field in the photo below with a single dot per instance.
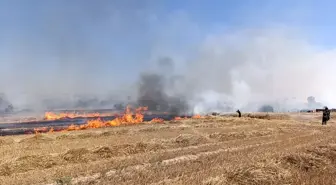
325 116
239 113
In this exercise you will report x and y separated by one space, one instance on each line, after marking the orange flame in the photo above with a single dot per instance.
129 117
180 118
51 130
197 116
38 130
157 120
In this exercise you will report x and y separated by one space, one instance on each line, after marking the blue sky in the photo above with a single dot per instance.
118 38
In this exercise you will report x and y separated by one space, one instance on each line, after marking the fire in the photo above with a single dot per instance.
115 122
97 123
127 118
180 118
39 130
73 127
130 116
50 116
64 115
197 116
51 130
157 120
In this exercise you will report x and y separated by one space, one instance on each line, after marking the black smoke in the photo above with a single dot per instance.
152 93
5 105
158 90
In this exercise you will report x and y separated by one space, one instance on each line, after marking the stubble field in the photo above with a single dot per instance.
254 149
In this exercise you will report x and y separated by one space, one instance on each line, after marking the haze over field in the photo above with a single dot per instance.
214 56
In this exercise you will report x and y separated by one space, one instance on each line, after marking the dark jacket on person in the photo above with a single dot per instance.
326 114
239 113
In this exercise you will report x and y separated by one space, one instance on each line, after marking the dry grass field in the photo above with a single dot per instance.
254 149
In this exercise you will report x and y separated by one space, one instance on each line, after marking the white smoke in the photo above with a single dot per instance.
263 66
211 101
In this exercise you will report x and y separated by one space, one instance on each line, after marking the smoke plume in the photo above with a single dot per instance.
88 54
264 66
157 91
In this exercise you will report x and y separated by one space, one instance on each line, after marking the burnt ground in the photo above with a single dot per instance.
26 127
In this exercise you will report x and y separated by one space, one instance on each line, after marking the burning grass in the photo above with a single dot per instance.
231 151
129 117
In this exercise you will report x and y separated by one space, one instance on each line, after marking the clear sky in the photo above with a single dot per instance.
107 40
